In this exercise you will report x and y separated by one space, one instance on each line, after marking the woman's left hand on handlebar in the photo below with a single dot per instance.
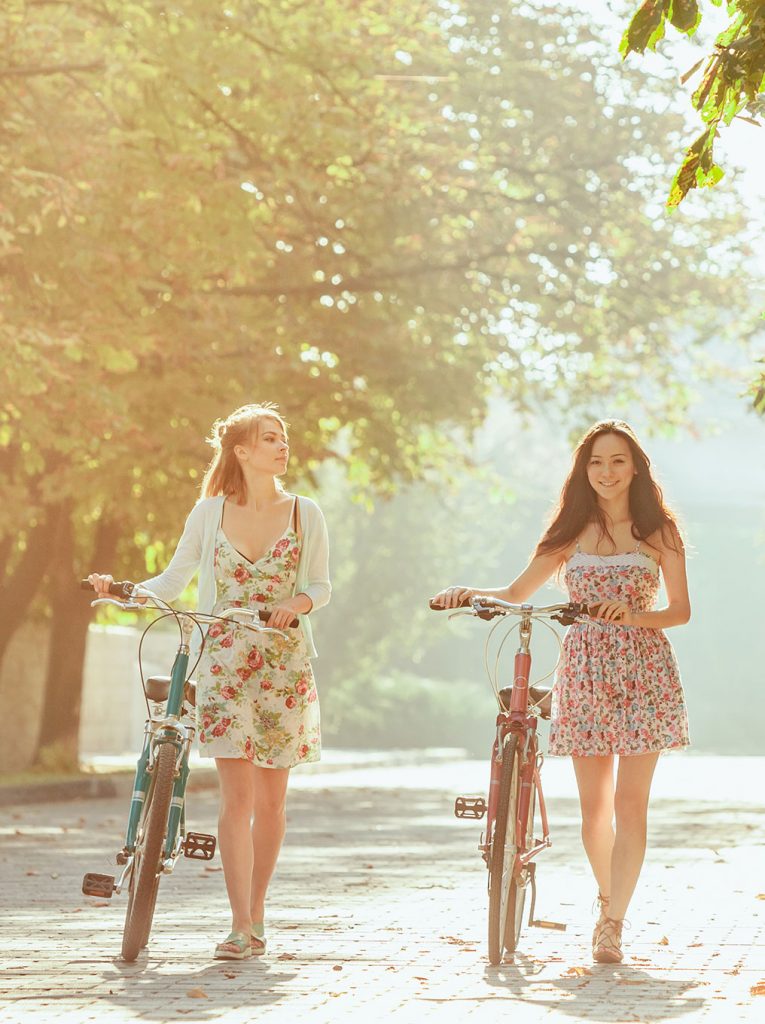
282 614
453 597
616 611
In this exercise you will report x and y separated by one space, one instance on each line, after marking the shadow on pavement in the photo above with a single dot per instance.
608 994
203 993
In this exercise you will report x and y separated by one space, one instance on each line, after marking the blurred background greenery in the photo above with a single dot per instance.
435 234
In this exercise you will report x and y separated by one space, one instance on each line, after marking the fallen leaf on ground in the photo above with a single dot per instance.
337 967
31 873
695 945
229 974
101 903
576 972
216 868
760 896
55 874
758 989
286 956
664 941
197 993
456 941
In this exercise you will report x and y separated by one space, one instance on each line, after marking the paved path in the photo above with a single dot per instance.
378 909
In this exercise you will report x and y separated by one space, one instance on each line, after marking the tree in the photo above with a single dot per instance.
731 86
732 81
379 213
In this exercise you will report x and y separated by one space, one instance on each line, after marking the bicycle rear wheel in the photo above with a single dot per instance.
152 833
505 901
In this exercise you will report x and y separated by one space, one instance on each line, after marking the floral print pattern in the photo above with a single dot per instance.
618 688
256 696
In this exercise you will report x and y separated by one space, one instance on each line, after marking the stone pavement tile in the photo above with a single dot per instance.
384 884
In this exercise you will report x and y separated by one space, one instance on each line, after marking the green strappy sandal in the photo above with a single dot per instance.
236 947
257 938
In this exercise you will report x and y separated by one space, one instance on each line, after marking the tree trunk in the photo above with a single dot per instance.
22 584
58 742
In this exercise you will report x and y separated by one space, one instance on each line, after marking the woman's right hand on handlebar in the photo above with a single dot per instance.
453 597
101 584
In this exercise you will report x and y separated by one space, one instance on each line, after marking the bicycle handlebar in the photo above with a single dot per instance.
125 590
487 607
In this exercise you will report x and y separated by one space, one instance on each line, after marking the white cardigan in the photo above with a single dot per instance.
196 550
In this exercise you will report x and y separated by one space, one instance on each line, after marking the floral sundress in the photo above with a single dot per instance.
256 695
618 688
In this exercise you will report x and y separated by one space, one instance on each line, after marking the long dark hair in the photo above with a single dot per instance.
578 503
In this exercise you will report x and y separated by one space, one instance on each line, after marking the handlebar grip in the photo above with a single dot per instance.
440 608
122 589
265 616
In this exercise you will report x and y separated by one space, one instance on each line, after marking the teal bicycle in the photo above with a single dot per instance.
156 833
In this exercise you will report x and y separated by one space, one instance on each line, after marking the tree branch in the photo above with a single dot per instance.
51 69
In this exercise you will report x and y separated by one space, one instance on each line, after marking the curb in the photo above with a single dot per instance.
70 789
108 784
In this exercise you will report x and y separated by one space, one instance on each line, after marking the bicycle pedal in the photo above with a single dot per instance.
469 807
552 925
98 885
198 846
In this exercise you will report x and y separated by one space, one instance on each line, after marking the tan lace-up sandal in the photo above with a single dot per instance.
607 941
602 904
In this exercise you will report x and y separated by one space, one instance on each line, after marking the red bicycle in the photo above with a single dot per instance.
515 808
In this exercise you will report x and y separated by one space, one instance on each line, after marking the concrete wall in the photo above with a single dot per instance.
113 708
21 693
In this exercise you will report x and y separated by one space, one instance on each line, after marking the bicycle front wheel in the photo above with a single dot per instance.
147 861
505 899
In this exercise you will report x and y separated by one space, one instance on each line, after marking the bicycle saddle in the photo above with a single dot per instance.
158 687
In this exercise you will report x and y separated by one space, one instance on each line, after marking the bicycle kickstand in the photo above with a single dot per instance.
536 922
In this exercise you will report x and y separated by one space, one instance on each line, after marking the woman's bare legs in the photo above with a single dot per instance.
267 832
251 827
633 787
616 856
237 801
595 779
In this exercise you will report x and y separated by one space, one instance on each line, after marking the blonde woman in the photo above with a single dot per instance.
255 545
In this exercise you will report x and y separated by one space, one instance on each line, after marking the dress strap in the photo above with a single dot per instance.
578 549
294 516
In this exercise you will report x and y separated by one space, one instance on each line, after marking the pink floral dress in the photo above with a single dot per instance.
618 688
256 696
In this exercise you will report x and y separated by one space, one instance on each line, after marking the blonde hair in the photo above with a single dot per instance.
224 474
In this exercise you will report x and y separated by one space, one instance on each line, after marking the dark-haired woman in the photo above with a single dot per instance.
618 690
257 546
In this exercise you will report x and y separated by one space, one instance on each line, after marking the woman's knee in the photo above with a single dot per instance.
270 808
631 809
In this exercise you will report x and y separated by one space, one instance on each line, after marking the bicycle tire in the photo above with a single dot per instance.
517 898
144 878
502 886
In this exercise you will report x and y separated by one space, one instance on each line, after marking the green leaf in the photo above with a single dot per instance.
646 28
685 16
